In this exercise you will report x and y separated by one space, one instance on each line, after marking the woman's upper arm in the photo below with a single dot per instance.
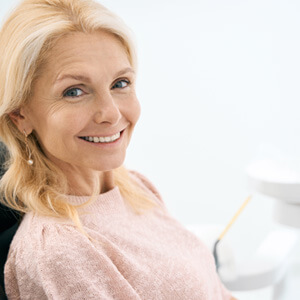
64 267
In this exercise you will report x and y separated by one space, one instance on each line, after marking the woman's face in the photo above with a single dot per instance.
84 107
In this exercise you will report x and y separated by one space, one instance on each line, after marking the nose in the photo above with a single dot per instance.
107 110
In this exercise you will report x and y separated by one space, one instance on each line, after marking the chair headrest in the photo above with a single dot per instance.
8 217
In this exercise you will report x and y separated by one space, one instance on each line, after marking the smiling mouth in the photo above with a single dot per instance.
102 139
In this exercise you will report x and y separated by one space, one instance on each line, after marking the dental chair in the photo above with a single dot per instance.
9 222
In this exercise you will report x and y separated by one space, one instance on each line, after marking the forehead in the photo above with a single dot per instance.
75 50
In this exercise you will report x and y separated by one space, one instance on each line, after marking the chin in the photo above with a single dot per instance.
109 165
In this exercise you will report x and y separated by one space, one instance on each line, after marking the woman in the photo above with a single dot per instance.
91 229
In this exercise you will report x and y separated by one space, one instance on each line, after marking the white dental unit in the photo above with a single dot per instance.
270 264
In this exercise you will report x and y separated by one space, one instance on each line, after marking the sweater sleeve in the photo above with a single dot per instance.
63 264
148 185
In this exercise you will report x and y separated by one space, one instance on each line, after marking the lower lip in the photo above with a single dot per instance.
107 144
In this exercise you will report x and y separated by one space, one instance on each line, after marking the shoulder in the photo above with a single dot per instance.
38 226
41 237
49 258
145 183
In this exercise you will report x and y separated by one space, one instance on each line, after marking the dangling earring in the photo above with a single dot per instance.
29 161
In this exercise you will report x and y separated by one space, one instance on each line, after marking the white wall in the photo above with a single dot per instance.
219 86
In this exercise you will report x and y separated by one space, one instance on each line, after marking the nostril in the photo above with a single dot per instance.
108 115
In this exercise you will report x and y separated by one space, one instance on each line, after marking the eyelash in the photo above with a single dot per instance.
71 89
122 80
77 88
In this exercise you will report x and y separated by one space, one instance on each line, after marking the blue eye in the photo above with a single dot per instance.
121 84
73 92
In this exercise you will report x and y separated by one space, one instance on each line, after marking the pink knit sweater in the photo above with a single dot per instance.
149 256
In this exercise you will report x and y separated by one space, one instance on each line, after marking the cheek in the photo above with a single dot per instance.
59 127
135 112
133 116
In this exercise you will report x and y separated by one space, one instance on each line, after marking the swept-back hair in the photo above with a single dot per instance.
26 38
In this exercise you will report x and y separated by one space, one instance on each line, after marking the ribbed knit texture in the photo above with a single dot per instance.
149 256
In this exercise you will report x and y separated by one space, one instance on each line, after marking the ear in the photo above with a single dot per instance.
21 120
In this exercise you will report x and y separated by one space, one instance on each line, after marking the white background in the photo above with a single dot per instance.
219 87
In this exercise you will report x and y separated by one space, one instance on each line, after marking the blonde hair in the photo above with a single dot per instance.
25 40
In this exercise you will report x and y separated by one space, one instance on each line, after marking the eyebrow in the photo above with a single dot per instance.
87 79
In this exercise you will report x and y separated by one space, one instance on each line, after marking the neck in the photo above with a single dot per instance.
86 185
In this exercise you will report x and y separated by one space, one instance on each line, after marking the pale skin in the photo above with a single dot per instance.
86 89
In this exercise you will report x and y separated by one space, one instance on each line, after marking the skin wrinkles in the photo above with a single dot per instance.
93 63
81 77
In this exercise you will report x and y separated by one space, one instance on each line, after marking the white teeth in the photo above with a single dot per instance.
106 139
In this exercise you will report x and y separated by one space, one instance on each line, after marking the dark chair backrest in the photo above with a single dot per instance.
2 294
9 222
5 240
